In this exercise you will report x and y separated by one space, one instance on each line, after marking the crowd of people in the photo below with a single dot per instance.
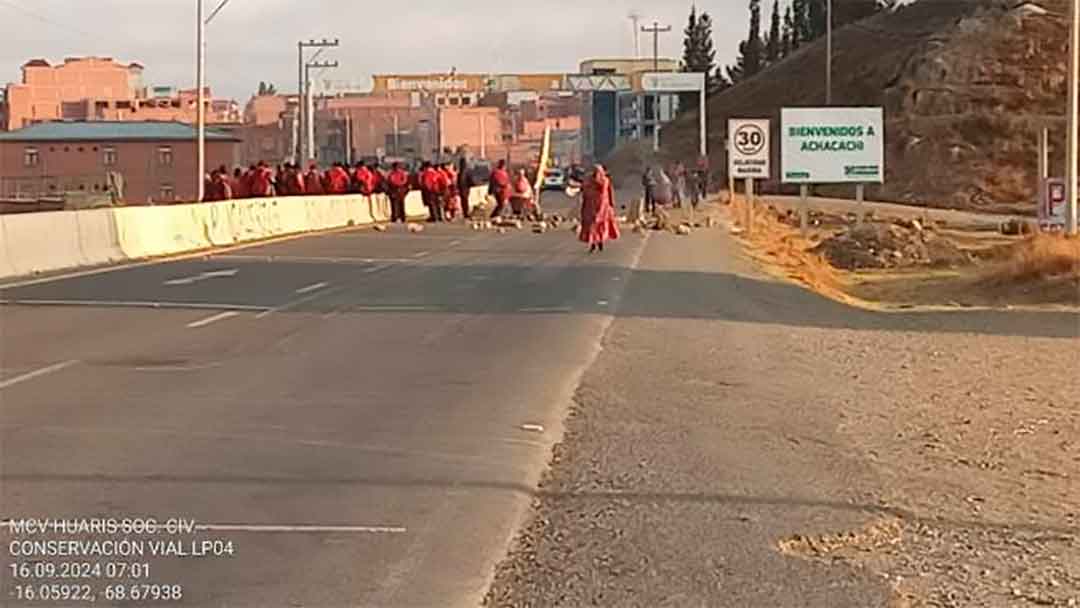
673 186
443 186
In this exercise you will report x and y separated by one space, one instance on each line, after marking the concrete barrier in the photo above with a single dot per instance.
49 241
6 268
98 240
40 242
414 206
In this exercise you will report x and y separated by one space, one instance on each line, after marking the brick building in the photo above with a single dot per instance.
100 88
156 159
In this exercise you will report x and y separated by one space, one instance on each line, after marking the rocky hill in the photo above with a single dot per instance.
965 85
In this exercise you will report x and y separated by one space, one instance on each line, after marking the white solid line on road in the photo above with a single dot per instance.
392 308
137 304
311 288
300 529
214 319
38 372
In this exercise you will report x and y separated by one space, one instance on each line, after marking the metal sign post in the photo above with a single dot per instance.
749 156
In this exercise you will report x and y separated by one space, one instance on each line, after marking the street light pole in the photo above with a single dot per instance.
828 52
200 83
1073 108
656 30
301 86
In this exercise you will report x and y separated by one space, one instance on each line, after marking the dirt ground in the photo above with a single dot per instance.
900 259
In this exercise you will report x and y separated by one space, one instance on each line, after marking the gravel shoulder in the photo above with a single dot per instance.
770 447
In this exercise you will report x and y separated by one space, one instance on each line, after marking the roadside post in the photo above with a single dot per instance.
832 146
749 157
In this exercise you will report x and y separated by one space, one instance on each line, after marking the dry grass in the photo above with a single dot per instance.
784 249
1042 256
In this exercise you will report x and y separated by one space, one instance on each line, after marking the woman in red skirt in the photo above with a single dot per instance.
598 222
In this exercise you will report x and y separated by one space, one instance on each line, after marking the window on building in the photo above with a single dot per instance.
167 193
31 157
108 157
467 101
441 101
123 105
164 156
455 101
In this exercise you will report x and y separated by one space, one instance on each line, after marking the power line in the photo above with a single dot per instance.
43 18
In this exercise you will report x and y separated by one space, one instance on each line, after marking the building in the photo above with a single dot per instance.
614 108
102 89
156 159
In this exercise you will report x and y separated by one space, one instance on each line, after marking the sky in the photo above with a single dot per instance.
255 40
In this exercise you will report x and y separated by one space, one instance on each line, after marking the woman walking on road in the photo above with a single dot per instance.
598 223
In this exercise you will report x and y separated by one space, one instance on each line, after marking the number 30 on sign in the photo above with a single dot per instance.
749 151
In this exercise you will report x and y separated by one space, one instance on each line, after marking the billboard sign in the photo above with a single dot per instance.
672 82
749 148
832 145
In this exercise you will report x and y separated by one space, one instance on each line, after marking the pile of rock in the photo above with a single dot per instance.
898 245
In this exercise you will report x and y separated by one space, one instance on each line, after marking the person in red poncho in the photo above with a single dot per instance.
500 188
598 222
364 179
239 184
433 189
313 181
337 180
522 198
452 198
262 181
397 188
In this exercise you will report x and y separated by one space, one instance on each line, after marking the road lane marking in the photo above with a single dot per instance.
310 288
202 276
136 304
298 302
422 254
301 529
228 314
313 259
392 308
378 268
38 372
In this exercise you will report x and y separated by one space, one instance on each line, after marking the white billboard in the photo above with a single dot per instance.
672 82
832 145
749 148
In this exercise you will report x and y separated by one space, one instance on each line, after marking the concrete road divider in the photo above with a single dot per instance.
57 240
98 240
39 242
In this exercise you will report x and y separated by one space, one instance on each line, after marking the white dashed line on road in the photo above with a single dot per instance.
214 319
298 302
311 288
136 304
36 373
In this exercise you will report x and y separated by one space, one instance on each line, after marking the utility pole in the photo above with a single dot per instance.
635 18
1073 108
200 83
309 103
656 30
828 52
300 88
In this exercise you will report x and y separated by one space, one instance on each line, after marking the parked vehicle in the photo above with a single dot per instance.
554 179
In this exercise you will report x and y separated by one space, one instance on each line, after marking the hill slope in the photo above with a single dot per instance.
964 84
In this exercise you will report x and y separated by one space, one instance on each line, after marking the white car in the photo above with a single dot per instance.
554 179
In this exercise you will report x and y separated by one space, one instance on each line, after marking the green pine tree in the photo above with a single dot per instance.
789 43
774 43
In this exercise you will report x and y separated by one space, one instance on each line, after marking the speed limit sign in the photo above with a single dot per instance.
748 144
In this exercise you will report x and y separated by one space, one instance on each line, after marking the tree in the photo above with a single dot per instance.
801 22
773 43
817 18
699 55
788 42
751 57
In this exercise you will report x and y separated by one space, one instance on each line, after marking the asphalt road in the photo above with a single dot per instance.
364 415
352 410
